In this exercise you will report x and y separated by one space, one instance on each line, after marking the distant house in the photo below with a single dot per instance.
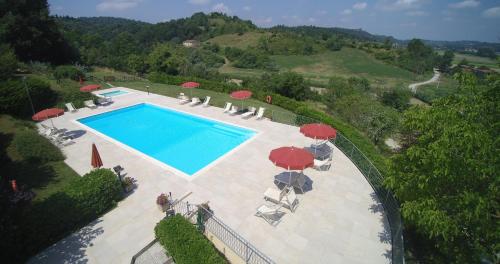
191 43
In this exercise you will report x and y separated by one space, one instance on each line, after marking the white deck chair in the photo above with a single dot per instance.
270 213
195 101
71 107
227 107
260 113
275 195
323 165
290 200
181 96
234 110
251 111
207 100
90 104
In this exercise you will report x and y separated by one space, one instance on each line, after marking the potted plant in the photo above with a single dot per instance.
163 202
128 184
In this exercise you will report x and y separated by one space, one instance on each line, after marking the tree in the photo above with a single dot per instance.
334 44
163 59
137 64
446 178
397 98
32 33
444 62
8 62
486 52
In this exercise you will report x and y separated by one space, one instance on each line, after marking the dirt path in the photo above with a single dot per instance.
413 87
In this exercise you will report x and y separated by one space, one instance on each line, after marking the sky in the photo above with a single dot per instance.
404 19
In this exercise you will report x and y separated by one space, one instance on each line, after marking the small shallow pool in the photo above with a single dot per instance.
113 93
185 142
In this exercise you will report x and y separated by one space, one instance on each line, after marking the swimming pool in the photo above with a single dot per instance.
185 142
113 93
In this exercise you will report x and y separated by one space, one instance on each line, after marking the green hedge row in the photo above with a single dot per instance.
299 108
34 147
185 243
31 229
67 72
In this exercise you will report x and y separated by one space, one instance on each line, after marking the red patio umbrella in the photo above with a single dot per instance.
48 113
291 158
96 160
90 88
190 85
318 131
241 95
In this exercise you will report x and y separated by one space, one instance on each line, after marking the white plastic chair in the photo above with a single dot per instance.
270 213
260 113
90 104
71 107
195 101
250 113
227 107
207 100
234 110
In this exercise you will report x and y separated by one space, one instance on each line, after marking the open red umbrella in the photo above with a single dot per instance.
190 85
90 88
96 160
318 131
241 95
291 158
48 113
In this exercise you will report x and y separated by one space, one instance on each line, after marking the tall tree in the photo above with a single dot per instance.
27 27
447 176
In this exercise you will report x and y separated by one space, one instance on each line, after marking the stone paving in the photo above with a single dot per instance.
339 219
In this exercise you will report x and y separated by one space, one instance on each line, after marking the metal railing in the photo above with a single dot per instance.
233 240
371 174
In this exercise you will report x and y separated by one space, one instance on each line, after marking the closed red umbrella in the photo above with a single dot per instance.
318 131
291 158
190 85
96 160
241 95
90 88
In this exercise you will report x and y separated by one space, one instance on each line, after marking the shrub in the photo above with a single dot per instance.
32 146
184 243
38 226
8 62
67 72
14 98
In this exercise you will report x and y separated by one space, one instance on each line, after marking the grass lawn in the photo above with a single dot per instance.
347 62
476 60
43 179
217 99
433 91
238 41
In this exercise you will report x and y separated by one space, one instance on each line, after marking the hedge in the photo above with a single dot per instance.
34 147
14 98
185 243
67 72
27 230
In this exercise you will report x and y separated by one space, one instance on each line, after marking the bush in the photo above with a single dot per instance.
26 231
14 99
67 72
8 62
32 146
184 243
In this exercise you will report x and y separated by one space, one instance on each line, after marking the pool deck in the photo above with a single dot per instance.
339 219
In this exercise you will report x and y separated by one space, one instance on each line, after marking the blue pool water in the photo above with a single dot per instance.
113 93
185 142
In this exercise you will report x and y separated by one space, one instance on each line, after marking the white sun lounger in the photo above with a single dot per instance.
195 101
260 113
287 197
234 110
184 99
249 113
207 100
323 165
90 104
71 107
270 213
227 107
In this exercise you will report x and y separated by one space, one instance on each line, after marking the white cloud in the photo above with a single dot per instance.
399 5
247 8
264 21
221 8
117 5
417 13
360 6
492 12
311 19
56 8
347 12
199 2
465 4
411 24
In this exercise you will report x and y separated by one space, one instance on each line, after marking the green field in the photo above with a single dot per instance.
239 41
476 60
347 62
430 92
